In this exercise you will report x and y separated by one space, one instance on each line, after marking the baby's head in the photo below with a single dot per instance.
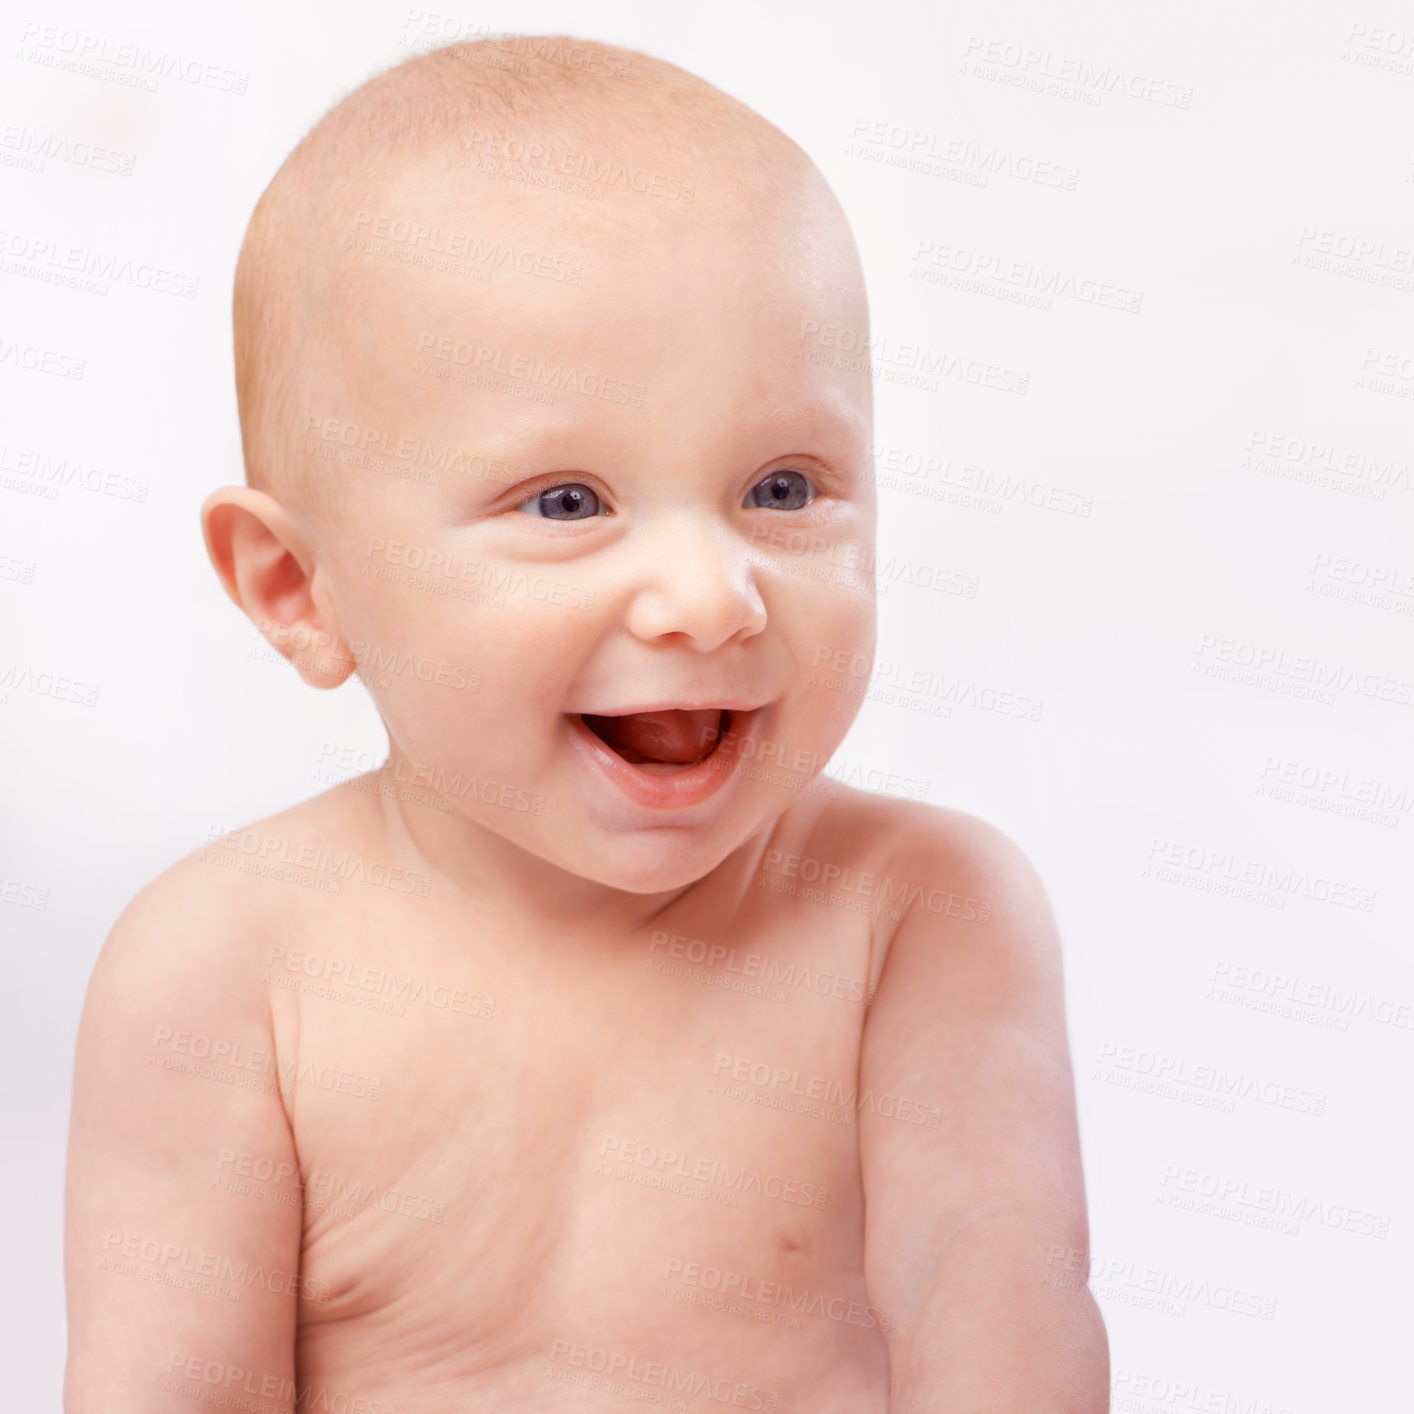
542 428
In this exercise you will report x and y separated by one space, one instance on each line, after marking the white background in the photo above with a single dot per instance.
1242 477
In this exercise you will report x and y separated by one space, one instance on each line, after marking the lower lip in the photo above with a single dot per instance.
669 790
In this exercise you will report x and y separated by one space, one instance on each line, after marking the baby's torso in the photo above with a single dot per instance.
576 1171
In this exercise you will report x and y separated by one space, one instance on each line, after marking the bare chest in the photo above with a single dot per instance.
642 1146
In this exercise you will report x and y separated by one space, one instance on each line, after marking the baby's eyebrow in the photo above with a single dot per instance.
534 428
813 414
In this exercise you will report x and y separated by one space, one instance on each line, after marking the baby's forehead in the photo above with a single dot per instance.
463 252
601 186
429 196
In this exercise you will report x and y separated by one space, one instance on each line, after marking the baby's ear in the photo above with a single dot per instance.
267 568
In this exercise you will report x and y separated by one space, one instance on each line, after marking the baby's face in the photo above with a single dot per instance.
653 497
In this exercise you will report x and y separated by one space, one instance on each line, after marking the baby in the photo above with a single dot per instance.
596 1051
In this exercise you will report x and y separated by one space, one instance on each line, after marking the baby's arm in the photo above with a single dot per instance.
173 1279
976 1239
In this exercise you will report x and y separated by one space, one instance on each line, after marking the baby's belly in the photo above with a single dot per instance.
594 1351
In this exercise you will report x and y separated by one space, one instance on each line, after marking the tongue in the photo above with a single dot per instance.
674 736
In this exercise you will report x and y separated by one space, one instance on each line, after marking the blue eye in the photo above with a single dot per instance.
782 491
572 500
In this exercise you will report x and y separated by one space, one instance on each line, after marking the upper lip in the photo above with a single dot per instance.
726 704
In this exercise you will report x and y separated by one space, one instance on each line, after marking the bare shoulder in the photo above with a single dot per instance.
182 930
931 859
969 853
920 829
896 821
974 948
192 939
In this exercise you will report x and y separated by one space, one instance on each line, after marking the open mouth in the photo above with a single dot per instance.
676 737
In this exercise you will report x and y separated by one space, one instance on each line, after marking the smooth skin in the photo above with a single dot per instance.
577 987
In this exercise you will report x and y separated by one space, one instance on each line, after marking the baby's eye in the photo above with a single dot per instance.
572 500
782 491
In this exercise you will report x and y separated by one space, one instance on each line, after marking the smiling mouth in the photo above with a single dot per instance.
671 737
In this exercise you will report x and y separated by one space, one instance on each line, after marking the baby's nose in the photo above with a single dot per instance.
699 582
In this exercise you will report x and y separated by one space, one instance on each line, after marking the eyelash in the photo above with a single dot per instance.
551 485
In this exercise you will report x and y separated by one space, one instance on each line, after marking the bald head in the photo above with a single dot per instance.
628 146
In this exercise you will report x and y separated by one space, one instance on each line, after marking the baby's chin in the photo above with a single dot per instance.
649 860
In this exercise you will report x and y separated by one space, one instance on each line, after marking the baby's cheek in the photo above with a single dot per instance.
838 656
841 624
415 662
